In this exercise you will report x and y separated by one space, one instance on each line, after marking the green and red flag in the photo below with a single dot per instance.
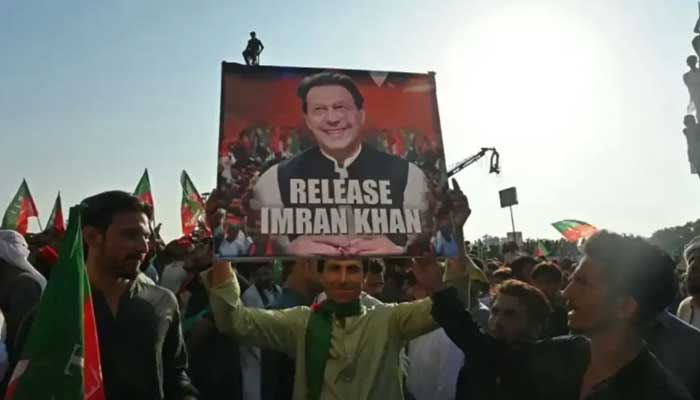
61 357
574 230
541 250
20 209
56 223
192 209
143 190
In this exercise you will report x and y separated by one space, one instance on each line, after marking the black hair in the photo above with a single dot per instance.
519 265
365 265
375 266
548 271
634 268
329 79
536 304
98 211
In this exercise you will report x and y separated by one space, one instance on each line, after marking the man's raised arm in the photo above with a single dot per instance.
273 329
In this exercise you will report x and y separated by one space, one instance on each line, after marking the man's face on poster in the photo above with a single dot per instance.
334 119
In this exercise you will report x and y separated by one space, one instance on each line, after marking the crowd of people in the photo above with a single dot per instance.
619 322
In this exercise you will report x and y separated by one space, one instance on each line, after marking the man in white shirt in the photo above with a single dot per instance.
261 294
434 361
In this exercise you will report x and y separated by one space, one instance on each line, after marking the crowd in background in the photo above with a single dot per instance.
432 365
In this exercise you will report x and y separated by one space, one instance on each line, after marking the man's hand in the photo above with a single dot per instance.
428 274
459 205
317 245
369 245
221 273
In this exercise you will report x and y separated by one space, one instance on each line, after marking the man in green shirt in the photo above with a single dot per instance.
342 349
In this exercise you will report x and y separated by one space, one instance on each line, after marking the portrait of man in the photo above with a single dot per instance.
341 196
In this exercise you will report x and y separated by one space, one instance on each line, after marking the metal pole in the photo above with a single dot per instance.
512 222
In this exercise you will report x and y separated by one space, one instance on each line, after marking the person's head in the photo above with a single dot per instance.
201 256
333 110
374 278
547 277
308 268
566 264
116 233
620 282
692 62
342 279
252 35
689 121
501 275
262 276
522 268
414 291
691 254
519 312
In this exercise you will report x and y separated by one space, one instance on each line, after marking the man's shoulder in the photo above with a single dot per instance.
686 302
659 382
568 345
371 151
301 160
155 294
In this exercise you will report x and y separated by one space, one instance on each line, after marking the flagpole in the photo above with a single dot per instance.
39 222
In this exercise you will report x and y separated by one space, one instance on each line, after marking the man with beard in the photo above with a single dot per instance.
619 288
138 324
341 179
342 349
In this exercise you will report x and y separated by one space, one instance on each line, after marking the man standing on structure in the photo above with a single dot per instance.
251 54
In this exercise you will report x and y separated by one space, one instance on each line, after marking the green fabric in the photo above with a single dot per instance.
318 340
371 341
60 359
20 209
144 185
190 322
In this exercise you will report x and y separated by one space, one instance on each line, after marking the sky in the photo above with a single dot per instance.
582 98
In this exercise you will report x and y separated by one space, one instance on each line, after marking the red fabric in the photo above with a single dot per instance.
48 255
93 385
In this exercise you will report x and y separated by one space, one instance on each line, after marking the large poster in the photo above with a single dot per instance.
328 162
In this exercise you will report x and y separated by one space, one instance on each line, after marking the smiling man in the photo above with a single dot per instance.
138 323
342 350
341 197
617 291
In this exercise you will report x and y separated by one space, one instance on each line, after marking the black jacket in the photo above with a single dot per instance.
141 348
550 369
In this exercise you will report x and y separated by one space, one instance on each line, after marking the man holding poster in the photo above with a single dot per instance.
341 197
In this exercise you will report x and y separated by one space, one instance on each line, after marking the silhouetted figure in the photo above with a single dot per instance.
251 54
692 135
692 82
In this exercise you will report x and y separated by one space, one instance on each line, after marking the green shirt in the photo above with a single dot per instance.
363 363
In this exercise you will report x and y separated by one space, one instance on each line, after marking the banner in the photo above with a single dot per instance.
327 162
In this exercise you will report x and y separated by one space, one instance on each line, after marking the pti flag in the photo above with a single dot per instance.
330 162
20 209
541 250
573 230
143 190
56 223
61 358
192 209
